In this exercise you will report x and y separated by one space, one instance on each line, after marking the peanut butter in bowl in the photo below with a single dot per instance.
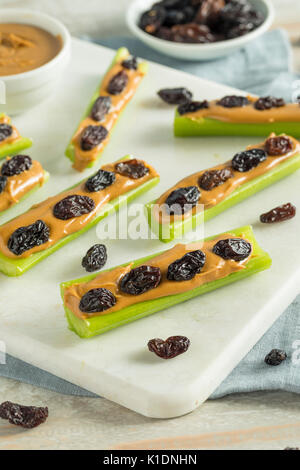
25 47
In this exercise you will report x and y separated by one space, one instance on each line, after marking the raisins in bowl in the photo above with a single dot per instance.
233 248
5 131
277 146
170 348
186 268
97 301
16 165
140 280
133 168
279 214
233 101
182 200
101 180
247 160
26 238
213 178
175 95
73 206
95 258
92 136
27 417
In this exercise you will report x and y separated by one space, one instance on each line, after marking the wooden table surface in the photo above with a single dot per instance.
264 420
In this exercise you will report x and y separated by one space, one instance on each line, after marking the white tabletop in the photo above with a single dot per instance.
268 420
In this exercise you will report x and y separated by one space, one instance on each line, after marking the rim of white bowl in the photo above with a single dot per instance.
64 33
131 21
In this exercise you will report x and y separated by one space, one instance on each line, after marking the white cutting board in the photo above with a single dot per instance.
222 326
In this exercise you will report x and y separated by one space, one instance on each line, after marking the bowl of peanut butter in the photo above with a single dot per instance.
34 50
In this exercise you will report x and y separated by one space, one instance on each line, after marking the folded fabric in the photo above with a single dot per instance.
262 68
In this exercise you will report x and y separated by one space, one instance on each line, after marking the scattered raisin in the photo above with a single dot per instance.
182 200
192 33
275 357
92 136
268 102
5 131
73 206
101 180
192 107
247 160
97 300
16 165
187 267
3 182
25 416
278 145
172 347
100 108
233 248
213 178
140 280
279 214
26 238
130 64
134 169
233 101
152 19
95 258
175 95
118 83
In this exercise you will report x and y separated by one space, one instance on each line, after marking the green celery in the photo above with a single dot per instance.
121 55
86 328
17 267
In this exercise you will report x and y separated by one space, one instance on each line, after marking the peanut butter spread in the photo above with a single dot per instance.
247 114
215 268
14 135
118 103
25 47
61 228
19 185
210 198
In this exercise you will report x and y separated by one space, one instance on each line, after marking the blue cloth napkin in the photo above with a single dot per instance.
263 68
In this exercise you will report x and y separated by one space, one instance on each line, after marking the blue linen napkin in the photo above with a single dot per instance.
262 68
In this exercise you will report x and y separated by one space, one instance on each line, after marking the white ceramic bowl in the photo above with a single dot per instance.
197 51
25 90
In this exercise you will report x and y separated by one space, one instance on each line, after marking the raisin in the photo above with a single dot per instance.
208 11
182 200
100 108
95 258
165 33
246 161
240 30
192 33
73 206
25 416
92 136
134 169
16 165
174 17
268 102
130 64
5 131
278 145
3 182
235 14
101 180
172 347
275 357
118 83
97 300
187 267
140 280
233 101
192 107
26 238
175 95
213 178
152 19
279 214
233 248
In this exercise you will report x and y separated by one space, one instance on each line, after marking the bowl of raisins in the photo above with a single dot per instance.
199 29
